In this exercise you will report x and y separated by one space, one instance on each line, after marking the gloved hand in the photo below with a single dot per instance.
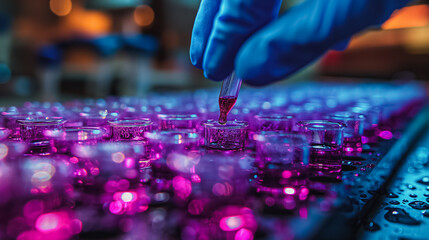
246 36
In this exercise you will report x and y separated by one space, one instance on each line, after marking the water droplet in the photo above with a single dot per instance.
394 202
427 188
411 187
405 200
392 195
398 215
363 195
424 181
426 194
371 226
413 195
426 213
419 205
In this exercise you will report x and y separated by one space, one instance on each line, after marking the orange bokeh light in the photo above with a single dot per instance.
87 22
144 15
60 7
407 17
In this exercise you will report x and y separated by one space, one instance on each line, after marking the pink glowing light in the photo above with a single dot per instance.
348 149
81 172
195 178
116 207
182 187
364 140
49 222
54 225
231 223
76 226
143 208
74 160
289 190
243 234
95 171
128 197
286 174
30 235
386 135
129 163
305 191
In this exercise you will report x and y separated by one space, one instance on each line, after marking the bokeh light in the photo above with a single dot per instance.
116 207
386 135
289 190
243 234
48 222
60 7
57 225
182 187
144 15
3 151
128 197
118 157
231 223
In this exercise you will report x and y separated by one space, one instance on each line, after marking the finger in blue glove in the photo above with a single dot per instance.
305 33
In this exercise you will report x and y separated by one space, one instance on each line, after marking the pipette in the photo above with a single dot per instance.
228 96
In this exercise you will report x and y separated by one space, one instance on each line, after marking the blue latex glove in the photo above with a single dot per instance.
246 36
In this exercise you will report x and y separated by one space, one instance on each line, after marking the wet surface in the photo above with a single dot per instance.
407 215
398 215
424 180
392 195
419 205
371 226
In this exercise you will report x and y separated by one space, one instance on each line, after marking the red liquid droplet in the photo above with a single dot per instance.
225 105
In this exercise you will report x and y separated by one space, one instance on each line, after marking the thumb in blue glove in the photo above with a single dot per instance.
242 35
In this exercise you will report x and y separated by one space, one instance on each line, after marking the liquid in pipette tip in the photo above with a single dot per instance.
225 105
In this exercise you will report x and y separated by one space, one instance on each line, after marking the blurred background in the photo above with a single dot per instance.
56 50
